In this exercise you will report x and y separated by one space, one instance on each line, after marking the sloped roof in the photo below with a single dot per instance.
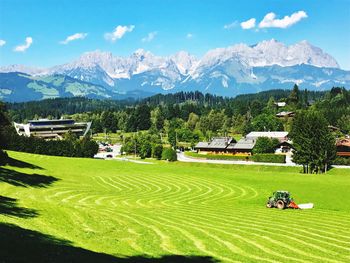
220 142
270 134
202 145
216 143
245 144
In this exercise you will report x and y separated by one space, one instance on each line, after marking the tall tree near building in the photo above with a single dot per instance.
314 145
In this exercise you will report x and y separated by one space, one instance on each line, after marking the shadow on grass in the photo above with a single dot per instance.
21 164
22 179
21 245
8 206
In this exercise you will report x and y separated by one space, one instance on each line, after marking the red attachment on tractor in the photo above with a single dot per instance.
293 205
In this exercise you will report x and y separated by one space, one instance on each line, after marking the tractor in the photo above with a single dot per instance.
281 200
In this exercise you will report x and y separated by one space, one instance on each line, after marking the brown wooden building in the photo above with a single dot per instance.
343 147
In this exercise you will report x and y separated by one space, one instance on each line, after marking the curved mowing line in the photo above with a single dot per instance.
281 222
254 214
161 194
278 243
237 226
199 243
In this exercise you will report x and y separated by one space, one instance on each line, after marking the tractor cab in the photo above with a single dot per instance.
280 200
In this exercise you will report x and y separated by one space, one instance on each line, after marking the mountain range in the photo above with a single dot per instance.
229 71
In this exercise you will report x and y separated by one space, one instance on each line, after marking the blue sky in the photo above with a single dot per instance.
51 32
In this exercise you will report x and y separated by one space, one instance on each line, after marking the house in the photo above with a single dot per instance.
343 147
284 147
52 129
216 145
225 145
285 114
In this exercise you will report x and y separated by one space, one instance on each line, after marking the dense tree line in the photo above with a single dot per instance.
55 108
192 116
196 102
183 116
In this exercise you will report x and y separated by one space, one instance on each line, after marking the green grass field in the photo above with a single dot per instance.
56 209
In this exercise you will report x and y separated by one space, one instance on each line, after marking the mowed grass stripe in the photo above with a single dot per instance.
261 233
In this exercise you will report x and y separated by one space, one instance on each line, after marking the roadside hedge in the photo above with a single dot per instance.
262 158
269 158
219 156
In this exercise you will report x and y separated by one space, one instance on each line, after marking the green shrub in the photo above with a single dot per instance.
265 145
146 150
269 158
157 150
169 154
265 158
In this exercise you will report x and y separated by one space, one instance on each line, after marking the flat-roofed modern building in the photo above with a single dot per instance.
52 129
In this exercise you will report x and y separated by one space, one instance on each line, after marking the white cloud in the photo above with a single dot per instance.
73 37
2 42
24 47
287 21
149 37
248 24
189 35
231 25
119 32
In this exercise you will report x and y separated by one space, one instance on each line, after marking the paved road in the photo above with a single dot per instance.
182 158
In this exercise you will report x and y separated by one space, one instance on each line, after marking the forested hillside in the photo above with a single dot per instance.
187 101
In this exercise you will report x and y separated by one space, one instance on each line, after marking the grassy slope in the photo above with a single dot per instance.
129 209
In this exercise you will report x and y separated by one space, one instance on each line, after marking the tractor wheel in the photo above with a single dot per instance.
280 204
268 205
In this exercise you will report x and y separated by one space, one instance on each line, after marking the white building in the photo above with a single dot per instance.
282 136
52 129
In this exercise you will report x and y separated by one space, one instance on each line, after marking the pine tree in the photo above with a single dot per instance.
314 145
294 96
